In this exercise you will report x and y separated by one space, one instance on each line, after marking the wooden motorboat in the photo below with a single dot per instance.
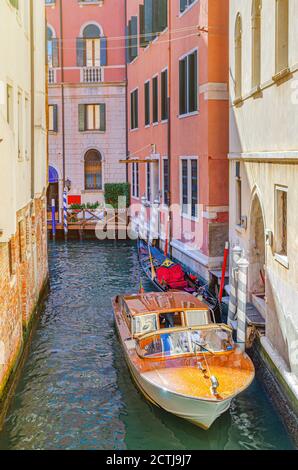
180 359
158 267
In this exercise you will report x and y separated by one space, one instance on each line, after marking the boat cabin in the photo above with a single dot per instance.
154 311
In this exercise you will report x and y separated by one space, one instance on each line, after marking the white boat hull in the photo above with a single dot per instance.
198 411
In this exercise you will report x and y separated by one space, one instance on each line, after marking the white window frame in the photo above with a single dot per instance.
135 188
187 215
190 113
280 257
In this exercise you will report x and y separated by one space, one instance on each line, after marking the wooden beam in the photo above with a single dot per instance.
127 162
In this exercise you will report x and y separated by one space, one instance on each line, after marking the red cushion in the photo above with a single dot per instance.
172 276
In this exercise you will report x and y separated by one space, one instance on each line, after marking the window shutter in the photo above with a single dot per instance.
148 12
81 46
163 15
126 44
183 4
129 42
55 48
134 37
55 118
82 115
103 117
143 42
103 51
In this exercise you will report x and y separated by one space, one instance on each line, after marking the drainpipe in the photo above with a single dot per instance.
170 128
62 92
32 72
126 92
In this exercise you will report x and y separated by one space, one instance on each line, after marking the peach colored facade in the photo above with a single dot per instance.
201 135
98 82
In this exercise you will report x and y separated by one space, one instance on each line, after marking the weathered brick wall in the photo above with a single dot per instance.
23 272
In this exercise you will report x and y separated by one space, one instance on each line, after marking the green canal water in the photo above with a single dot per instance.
75 391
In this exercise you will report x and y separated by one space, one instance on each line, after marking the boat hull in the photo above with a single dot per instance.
200 412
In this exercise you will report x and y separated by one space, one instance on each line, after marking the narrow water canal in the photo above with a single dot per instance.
75 391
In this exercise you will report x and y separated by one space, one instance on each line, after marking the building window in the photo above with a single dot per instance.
28 128
238 57
194 188
189 187
135 180
134 109
53 49
148 182
91 48
155 99
164 95
9 100
184 4
93 170
188 84
238 186
22 240
166 181
281 221
11 259
53 118
256 43
147 103
92 117
282 35
20 126
132 39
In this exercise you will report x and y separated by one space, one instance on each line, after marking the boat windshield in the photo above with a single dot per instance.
187 342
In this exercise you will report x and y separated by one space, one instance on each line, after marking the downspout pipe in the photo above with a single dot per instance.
32 73
126 93
62 93
170 128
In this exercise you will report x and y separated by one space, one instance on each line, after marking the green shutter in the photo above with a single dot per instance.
55 48
82 120
163 22
103 51
148 12
183 4
103 117
134 37
143 42
55 117
81 55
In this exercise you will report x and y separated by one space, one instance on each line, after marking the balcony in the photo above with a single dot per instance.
92 75
52 76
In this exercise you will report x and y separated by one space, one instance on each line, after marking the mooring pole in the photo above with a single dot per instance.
65 225
53 219
241 301
232 314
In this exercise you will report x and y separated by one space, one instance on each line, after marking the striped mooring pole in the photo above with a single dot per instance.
232 313
241 301
53 219
142 219
154 222
65 225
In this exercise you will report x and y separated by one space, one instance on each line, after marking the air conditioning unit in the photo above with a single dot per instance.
243 223
269 237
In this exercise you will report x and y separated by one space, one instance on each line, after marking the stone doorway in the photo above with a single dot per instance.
257 257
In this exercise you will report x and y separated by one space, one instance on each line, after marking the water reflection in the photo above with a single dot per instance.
76 392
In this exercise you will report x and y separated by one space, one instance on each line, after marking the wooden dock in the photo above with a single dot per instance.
87 223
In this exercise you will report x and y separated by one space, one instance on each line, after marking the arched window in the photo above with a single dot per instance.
238 57
91 35
50 47
282 35
53 53
93 170
256 42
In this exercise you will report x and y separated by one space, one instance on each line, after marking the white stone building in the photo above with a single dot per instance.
264 166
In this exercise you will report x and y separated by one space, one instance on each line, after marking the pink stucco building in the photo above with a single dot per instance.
179 50
87 100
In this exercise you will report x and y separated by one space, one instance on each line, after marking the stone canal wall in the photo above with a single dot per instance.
23 276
